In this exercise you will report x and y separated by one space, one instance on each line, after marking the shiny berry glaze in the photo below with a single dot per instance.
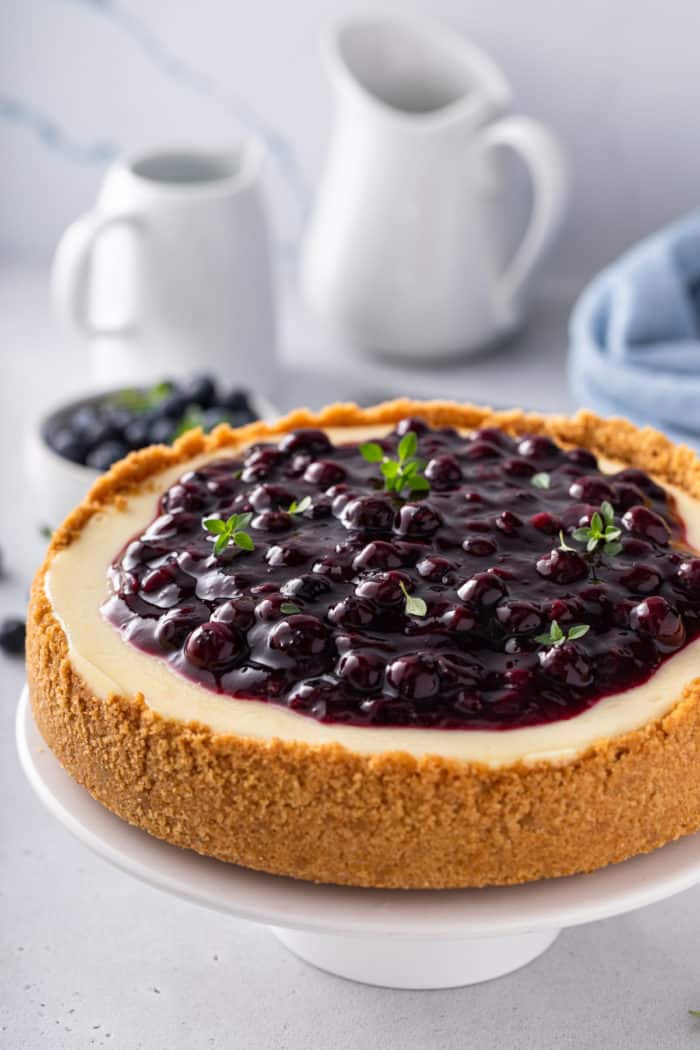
314 618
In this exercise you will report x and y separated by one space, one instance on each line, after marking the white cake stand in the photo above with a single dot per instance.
393 938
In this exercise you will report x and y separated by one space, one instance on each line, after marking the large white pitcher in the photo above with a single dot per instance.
170 272
405 251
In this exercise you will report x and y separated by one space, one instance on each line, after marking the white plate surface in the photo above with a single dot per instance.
282 902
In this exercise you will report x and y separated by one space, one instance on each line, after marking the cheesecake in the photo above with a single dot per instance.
420 645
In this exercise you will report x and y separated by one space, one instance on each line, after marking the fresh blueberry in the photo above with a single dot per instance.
236 401
136 433
12 636
69 444
201 390
161 431
105 454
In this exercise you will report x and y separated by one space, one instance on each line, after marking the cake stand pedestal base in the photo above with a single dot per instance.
416 962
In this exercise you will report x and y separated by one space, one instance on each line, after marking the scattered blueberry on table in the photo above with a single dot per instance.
97 434
12 634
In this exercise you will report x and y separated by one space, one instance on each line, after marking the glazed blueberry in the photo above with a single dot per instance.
581 457
656 617
688 577
363 670
642 481
287 554
415 677
260 463
641 579
270 608
562 566
436 569
269 497
299 635
443 472
644 522
369 513
568 664
192 496
417 520
479 548
174 626
272 521
483 590
213 645
494 436
517 467
483 450
324 473
383 588
458 619
411 423
352 612
547 523
237 612
539 448
518 617
591 489
309 588
313 442
156 579
508 522
377 555
626 495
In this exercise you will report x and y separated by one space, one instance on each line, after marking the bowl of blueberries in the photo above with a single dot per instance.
75 442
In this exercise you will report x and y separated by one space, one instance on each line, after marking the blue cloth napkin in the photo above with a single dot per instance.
635 335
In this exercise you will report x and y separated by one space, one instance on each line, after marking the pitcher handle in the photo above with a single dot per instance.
71 270
545 163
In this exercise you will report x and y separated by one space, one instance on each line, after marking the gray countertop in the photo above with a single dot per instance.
90 957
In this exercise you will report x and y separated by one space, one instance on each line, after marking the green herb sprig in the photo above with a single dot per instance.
404 472
541 480
557 637
563 545
289 608
233 531
300 507
414 606
141 400
602 530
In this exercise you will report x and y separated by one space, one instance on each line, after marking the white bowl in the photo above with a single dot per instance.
57 483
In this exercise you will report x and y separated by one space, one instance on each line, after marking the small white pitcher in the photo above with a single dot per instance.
174 260
404 253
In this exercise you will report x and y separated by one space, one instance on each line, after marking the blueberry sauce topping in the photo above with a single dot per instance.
430 608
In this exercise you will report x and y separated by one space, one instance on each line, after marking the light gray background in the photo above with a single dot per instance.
616 80
90 957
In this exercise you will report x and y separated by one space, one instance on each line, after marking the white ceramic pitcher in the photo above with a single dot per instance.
405 252
170 272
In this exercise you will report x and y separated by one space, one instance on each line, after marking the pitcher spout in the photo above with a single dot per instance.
412 69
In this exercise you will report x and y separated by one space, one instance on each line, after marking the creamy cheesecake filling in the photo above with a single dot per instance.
109 665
